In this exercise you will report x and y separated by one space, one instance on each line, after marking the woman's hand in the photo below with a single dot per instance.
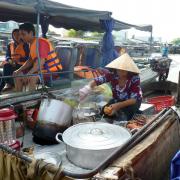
17 72
111 109
83 92
115 107
108 110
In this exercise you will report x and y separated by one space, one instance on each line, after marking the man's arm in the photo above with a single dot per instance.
35 67
26 50
25 66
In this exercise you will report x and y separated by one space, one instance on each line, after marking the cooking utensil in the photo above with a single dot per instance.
44 133
83 114
55 111
88 144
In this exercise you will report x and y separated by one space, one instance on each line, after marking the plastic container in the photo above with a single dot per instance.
161 102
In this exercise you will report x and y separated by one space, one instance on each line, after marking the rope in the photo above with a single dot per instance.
178 119
59 173
129 172
37 46
41 167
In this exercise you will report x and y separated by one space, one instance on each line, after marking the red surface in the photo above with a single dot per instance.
16 145
7 114
161 102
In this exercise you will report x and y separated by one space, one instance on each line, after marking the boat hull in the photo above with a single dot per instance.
149 159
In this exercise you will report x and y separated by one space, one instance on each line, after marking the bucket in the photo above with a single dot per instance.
161 102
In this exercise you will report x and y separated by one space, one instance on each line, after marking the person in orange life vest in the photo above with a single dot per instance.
16 55
48 57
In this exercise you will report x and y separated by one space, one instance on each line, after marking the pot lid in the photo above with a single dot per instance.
95 136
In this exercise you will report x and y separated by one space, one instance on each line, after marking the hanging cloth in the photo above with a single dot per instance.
12 167
44 25
108 51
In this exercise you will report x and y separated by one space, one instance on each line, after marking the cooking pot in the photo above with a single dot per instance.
88 144
55 111
44 133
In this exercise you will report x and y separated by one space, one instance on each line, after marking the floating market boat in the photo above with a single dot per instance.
157 138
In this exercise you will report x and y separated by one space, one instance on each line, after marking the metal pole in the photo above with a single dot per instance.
37 46
178 91
151 39
16 153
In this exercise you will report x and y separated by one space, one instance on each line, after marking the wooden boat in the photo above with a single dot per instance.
150 158
146 157
160 141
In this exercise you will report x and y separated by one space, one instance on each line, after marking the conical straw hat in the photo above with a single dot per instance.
124 62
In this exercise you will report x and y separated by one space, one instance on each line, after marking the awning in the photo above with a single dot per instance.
59 15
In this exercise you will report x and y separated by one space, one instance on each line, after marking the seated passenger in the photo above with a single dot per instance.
48 59
16 55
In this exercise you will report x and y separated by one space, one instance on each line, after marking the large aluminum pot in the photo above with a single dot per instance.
55 111
88 144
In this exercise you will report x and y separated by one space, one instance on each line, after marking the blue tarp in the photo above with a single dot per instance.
175 167
108 51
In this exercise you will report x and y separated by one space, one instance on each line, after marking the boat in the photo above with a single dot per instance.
146 142
146 155
150 158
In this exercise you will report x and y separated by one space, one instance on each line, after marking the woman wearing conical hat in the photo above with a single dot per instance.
125 83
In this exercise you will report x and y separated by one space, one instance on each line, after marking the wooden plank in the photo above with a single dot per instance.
151 158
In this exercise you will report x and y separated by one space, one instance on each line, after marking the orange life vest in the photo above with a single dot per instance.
17 53
12 47
52 63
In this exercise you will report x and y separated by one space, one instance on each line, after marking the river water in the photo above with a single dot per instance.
174 68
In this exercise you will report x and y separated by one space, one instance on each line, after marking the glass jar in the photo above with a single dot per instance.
7 126
83 114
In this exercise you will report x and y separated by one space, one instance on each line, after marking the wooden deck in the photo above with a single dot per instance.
151 158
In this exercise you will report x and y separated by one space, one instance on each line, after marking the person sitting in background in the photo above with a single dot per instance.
48 59
125 84
121 50
16 55
165 51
